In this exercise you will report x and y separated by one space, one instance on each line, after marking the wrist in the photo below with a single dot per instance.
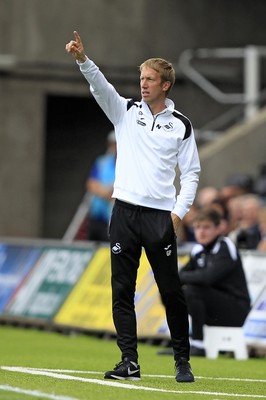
82 59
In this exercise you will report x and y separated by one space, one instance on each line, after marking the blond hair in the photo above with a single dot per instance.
164 67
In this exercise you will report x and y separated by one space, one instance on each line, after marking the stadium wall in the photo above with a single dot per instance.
34 66
241 149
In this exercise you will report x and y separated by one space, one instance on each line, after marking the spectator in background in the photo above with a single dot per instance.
247 234
234 213
213 280
260 183
236 185
100 187
206 196
262 226
185 234
220 206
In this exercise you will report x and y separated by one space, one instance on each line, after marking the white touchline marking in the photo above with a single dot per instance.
149 375
211 378
232 379
123 385
34 393
73 371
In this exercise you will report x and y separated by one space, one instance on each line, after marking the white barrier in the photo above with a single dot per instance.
223 338
254 264
255 324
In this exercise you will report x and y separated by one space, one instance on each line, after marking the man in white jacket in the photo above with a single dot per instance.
152 140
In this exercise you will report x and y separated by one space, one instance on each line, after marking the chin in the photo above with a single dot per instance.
204 242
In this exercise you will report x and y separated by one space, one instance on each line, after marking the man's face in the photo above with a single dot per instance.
206 231
152 88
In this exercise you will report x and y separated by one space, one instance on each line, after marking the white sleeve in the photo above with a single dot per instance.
189 166
113 105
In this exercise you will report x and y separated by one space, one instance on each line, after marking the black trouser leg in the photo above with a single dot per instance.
213 307
125 255
161 249
196 309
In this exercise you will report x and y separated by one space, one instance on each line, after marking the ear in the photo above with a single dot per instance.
166 85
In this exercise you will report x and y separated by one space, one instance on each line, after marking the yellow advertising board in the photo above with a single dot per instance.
89 304
149 309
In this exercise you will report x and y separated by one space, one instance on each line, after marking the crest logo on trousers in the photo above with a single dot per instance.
116 248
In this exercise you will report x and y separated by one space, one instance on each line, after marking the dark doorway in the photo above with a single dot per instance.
76 130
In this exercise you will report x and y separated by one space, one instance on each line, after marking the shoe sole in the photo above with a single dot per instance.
185 381
123 378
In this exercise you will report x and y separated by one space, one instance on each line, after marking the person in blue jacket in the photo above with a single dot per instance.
100 188
153 138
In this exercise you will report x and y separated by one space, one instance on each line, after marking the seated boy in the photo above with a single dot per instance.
213 281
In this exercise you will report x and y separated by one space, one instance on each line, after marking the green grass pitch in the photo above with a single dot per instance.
49 365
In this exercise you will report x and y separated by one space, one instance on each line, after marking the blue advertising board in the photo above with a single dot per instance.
49 283
15 264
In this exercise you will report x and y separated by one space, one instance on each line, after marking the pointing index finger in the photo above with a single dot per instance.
77 36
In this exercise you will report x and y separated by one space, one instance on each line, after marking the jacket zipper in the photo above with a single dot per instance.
154 120
155 117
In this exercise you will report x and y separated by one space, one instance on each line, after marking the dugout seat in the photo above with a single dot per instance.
221 338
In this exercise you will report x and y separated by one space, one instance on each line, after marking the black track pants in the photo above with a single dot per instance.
131 228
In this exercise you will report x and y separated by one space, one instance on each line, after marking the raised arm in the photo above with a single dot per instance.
104 93
75 47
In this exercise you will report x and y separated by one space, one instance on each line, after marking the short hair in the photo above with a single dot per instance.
208 214
164 67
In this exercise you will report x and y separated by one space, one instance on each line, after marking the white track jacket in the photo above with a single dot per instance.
149 148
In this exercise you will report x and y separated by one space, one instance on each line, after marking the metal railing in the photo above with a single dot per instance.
252 95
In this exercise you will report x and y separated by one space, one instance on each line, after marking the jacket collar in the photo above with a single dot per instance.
170 107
